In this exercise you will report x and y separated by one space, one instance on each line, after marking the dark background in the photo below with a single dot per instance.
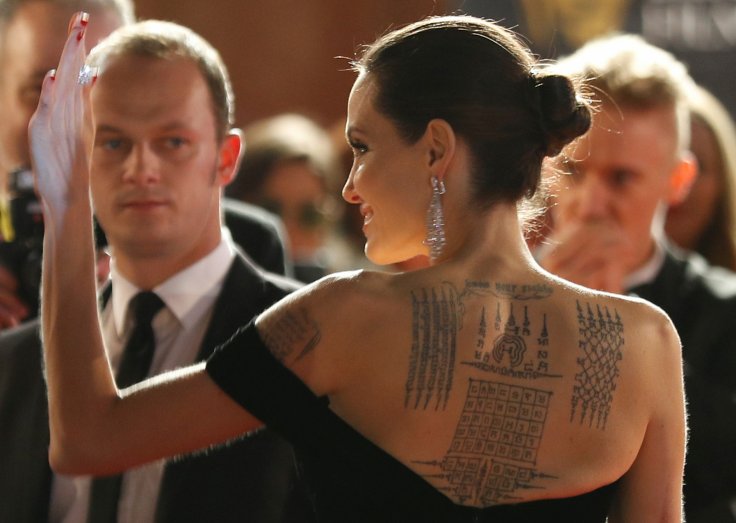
701 33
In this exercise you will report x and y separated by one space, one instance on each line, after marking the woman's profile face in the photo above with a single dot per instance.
389 179
687 221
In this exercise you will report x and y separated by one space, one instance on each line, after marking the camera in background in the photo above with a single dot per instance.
22 254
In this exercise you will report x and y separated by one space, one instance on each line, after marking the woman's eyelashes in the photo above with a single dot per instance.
358 147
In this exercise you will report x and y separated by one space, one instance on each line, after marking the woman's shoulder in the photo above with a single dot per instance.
640 312
311 328
345 289
647 333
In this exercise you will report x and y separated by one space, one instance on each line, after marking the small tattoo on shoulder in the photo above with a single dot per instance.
601 338
292 332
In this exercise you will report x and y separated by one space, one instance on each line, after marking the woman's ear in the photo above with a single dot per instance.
231 151
441 144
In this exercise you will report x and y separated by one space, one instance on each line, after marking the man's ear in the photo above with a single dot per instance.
231 151
682 178
441 144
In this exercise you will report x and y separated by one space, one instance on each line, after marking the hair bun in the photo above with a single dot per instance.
562 115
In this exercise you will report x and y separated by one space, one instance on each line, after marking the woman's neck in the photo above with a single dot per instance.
484 237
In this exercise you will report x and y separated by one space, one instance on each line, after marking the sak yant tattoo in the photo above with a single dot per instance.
515 291
434 335
494 451
292 331
508 347
517 351
601 339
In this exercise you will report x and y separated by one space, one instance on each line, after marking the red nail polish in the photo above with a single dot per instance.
84 19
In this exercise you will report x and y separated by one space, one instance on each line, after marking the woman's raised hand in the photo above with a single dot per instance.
61 131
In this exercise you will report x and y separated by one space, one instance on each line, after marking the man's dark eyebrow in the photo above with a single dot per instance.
107 129
168 127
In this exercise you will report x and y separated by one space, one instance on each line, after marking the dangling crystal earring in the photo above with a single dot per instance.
436 221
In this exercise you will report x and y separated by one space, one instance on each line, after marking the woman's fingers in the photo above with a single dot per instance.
61 130
45 99
74 53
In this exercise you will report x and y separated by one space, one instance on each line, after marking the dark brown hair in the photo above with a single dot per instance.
480 78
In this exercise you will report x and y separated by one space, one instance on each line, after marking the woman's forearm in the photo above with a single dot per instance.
80 384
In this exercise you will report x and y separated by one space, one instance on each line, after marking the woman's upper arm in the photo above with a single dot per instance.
651 490
306 335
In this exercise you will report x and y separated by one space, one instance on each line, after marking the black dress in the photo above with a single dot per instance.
351 479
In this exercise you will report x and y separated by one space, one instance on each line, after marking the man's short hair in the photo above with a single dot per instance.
627 71
170 41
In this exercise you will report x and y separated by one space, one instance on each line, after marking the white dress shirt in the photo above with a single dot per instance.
179 328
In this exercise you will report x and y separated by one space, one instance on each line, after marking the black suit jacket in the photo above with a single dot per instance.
25 477
260 234
250 479
701 301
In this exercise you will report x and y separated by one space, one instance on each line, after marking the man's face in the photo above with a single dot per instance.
157 166
30 45
621 179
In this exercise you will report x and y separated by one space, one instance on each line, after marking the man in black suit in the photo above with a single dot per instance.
608 234
164 151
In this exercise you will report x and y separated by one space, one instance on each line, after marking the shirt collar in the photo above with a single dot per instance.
182 290
647 272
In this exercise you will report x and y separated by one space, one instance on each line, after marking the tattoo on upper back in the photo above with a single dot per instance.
601 339
291 331
435 319
509 353
493 453
438 315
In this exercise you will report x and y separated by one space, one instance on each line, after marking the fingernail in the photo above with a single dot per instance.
52 74
83 21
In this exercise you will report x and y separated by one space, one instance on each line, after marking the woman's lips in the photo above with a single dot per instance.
367 213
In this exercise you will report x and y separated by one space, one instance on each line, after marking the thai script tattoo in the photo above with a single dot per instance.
493 453
432 360
291 331
601 339
517 351
516 291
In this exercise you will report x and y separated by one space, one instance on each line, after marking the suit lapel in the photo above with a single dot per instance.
240 299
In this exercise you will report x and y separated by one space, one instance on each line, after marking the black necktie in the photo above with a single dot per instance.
134 366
